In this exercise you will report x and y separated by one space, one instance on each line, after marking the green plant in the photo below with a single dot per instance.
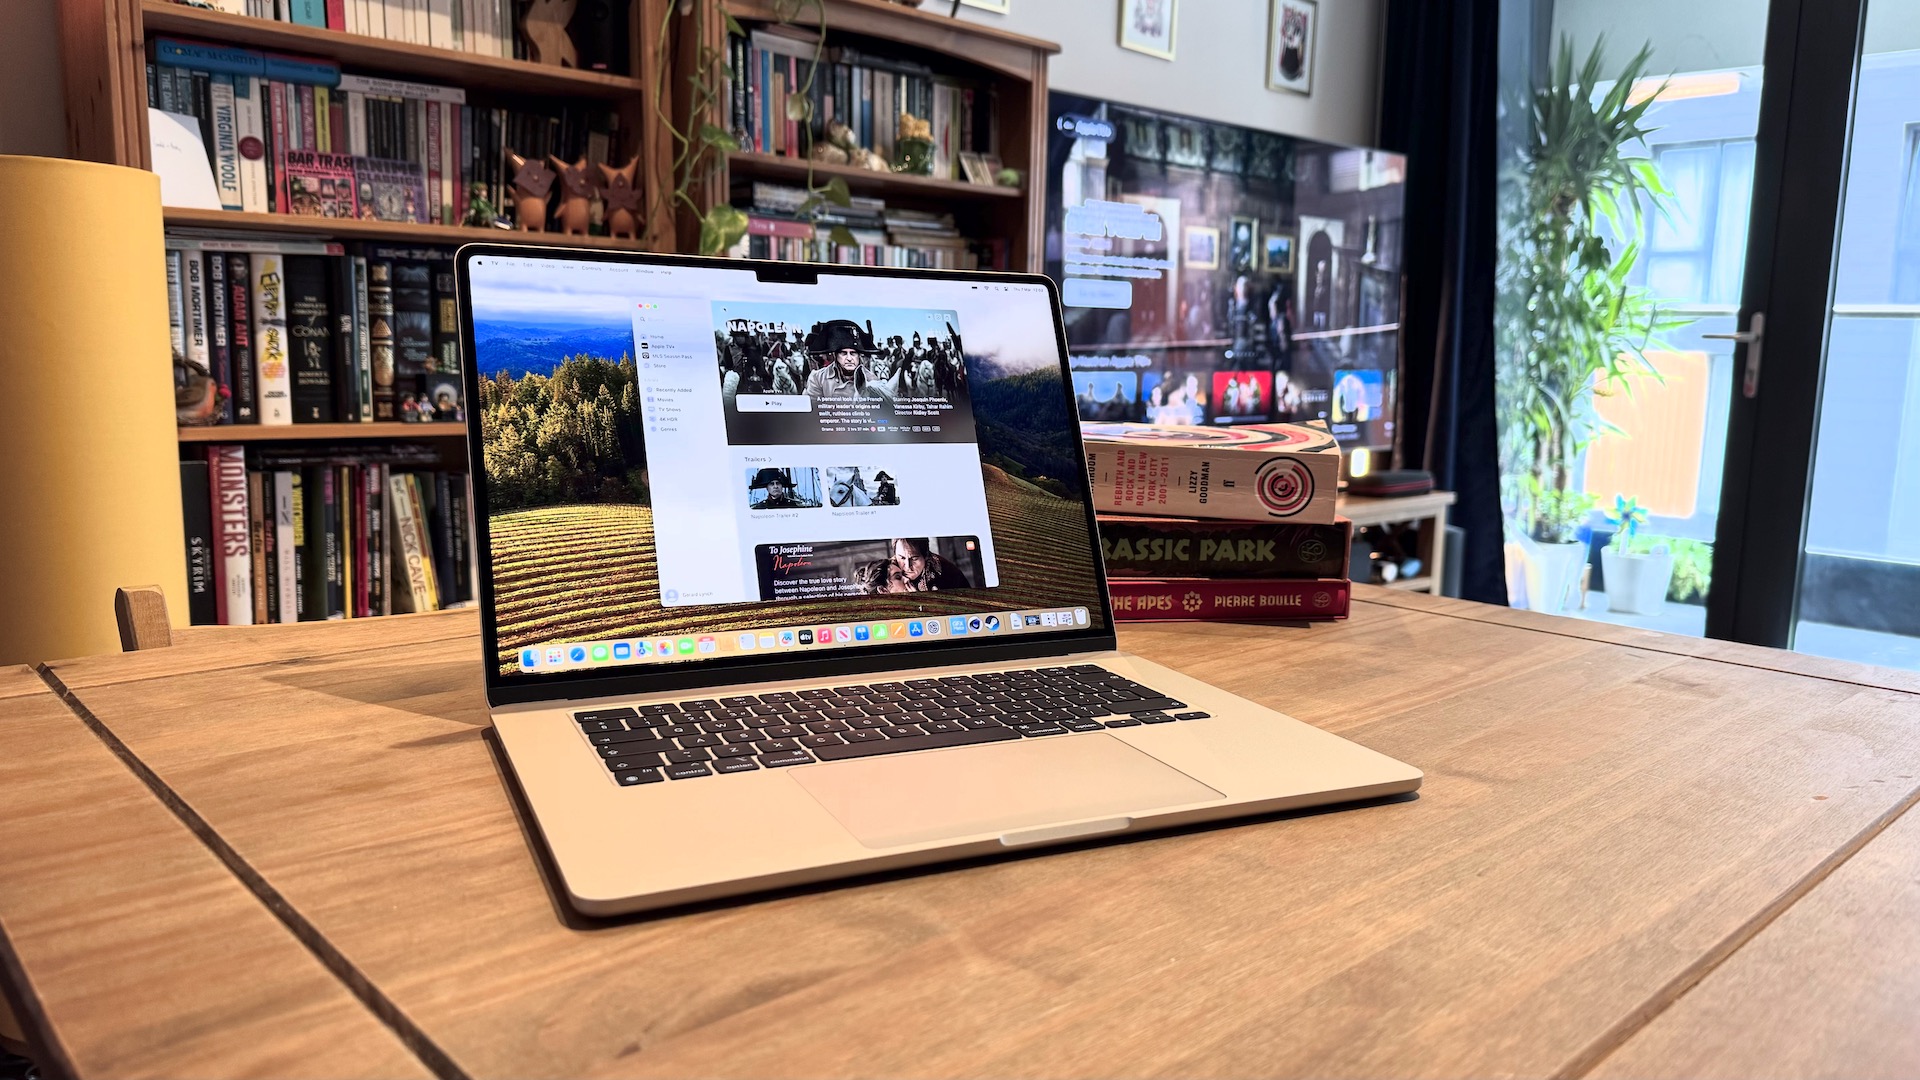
697 145
1692 567
1569 326
1626 517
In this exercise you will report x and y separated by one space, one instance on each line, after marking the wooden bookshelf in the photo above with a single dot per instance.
259 433
1013 66
391 232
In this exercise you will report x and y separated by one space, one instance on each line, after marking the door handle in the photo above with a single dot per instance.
1754 337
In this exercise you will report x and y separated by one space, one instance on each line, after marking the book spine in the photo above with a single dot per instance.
195 293
226 142
1201 599
338 133
380 338
1228 484
362 592
234 591
277 107
196 504
1180 547
298 551
445 564
408 566
316 480
240 338
433 207
200 97
219 335
251 144
266 551
373 492
271 350
309 124
309 339
308 13
446 321
423 534
363 347
346 350
177 302
257 545
287 607
459 511
340 581
336 14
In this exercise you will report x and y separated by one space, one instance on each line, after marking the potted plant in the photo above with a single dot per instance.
1636 579
1569 326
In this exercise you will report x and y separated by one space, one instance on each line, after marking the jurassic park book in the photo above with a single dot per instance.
1251 472
1205 599
1151 547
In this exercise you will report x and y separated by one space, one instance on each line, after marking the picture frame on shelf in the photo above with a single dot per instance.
998 7
1242 242
1147 26
1201 250
1277 252
1292 30
974 166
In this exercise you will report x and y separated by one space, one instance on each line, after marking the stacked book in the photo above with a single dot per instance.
843 85
1233 523
786 224
280 537
294 135
475 26
283 331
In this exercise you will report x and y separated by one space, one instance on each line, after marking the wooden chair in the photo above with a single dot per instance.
141 613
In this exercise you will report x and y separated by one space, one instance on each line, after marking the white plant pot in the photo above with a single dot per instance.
1551 570
1636 584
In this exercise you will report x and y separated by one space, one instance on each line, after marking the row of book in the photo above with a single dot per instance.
303 332
776 63
476 26
284 537
295 135
1196 528
785 224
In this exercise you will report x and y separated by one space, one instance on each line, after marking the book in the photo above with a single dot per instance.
285 554
1155 547
362 341
226 59
233 554
412 566
271 350
321 185
226 141
250 142
219 335
310 339
1252 472
1247 600
196 504
240 338
380 336
322 575
199 353
257 545
346 351
412 333
391 190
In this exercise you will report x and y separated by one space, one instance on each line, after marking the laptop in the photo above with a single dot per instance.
789 572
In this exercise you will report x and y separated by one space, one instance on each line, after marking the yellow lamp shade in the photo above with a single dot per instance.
89 462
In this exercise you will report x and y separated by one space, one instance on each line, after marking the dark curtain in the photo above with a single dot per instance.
1439 106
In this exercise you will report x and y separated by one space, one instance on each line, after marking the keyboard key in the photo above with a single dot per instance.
784 731
741 737
941 727
1125 721
681 757
738 764
825 727
901 732
1191 716
715 727
820 740
688 742
659 709
777 746
638 777
626 751
865 736
914 742
741 702
1037 730
620 765
641 743
778 696
598 727
844 714
732 751
1153 718
605 714
979 723
700 705
689 770
791 757
868 722
1078 724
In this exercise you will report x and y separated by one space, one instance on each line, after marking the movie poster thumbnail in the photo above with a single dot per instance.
1242 397
1108 396
770 488
816 571
1175 396
1358 414
841 374
851 487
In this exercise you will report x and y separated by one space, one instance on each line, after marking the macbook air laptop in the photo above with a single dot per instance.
789 572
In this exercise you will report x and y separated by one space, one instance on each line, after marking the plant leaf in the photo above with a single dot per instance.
843 236
733 24
721 228
718 137
799 108
836 192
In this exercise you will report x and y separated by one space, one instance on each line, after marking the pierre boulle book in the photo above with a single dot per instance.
1268 600
1252 472
320 185
1154 547
390 190
310 338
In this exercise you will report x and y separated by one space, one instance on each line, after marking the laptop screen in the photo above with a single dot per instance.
685 463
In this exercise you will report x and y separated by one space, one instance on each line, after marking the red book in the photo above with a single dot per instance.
433 163
795 230
336 14
309 128
1207 599
277 93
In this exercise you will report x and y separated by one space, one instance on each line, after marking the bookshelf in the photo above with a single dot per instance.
257 433
1012 66
390 232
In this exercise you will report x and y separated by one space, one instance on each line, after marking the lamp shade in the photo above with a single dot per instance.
89 462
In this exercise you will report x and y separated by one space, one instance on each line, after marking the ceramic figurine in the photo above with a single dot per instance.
532 183
545 26
575 216
622 197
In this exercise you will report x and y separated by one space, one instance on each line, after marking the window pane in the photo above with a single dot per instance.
1730 230
1675 277
1689 173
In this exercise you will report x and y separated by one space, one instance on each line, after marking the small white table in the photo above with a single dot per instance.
1429 509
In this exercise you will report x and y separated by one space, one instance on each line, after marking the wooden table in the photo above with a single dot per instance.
1635 855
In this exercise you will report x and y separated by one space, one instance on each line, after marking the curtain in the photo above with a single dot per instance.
1439 106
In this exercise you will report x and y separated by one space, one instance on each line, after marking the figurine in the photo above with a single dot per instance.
840 148
480 211
575 216
913 146
532 183
622 199
545 27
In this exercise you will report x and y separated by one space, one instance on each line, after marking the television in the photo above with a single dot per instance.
1214 274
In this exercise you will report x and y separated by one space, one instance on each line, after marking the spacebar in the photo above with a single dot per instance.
915 742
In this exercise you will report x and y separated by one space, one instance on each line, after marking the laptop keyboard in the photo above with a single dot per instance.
682 740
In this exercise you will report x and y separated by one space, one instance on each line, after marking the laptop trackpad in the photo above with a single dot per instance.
996 787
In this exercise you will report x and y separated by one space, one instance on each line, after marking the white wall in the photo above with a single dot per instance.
33 109
1219 70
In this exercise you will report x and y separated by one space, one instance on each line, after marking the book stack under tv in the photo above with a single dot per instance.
1224 524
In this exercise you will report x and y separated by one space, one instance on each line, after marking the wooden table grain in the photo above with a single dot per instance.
1612 823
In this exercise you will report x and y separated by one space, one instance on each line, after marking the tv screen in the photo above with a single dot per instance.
1221 275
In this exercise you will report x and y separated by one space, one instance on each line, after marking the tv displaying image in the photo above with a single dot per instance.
1215 274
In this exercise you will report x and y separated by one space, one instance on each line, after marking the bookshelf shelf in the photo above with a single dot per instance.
358 50
393 232
864 180
252 433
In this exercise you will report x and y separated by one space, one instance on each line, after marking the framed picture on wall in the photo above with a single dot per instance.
1291 30
1147 26
1203 248
999 6
1244 241
1279 254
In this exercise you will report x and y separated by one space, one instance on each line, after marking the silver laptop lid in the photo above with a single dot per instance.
690 472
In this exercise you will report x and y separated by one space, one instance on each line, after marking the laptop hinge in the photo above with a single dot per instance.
787 273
